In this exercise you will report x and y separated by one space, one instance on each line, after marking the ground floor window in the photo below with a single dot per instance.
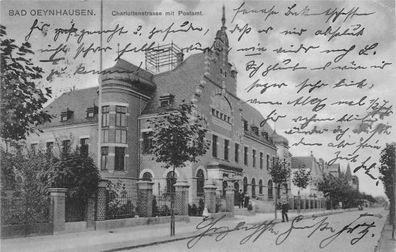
147 176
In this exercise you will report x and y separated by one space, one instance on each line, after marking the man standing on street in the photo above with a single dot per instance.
285 209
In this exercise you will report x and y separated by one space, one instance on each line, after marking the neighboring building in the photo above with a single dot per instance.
334 170
308 163
241 152
353 181
284 155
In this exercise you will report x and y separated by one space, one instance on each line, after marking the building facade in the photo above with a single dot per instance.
240 153
308 163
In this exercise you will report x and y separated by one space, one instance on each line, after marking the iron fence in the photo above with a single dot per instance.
20 210
74 210
120 207
162 204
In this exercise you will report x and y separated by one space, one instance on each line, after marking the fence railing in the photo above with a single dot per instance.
75 211
162 204
120 207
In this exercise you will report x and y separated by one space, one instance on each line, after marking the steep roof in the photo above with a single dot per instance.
253 116
77 101
334 168
180 82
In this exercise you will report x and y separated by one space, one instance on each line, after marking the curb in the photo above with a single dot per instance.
189 235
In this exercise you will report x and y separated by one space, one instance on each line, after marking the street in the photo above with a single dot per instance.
349 231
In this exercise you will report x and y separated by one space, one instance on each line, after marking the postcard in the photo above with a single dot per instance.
197 125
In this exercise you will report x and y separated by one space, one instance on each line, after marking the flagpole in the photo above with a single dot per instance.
100 89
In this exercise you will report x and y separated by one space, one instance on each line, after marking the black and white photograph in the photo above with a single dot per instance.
198 125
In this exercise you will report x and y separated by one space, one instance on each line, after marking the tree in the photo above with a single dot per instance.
336 189
76 172
387 170
178 137
21 105
301 180
280 173
23 175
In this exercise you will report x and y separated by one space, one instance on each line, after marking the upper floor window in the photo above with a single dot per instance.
254 158
92 111
222 116
66 115
245 154
121 116
214 145
147 142
226 147
236 153
166 100
268 161
105 116
245 125
261 160
120 136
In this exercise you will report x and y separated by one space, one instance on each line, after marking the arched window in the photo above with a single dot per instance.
147 176
236 187
253 187
260 186
270 194
200 183
170 181
245 185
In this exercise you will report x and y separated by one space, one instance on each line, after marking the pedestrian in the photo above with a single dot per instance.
246 200
285 209
240 199
205 213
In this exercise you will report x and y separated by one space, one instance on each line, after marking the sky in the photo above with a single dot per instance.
378 28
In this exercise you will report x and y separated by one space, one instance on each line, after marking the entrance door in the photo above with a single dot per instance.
236 193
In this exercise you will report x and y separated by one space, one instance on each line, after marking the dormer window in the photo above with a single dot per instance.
66 115
245 125
255 130
265 135
92 111
166 100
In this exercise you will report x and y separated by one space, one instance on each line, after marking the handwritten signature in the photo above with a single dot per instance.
211 227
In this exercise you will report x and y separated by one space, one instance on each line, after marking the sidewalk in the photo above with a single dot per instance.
387 244
131 237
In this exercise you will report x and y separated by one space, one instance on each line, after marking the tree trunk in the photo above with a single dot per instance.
299 202
172 211
276 200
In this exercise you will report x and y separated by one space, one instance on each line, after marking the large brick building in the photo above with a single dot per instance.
240 153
